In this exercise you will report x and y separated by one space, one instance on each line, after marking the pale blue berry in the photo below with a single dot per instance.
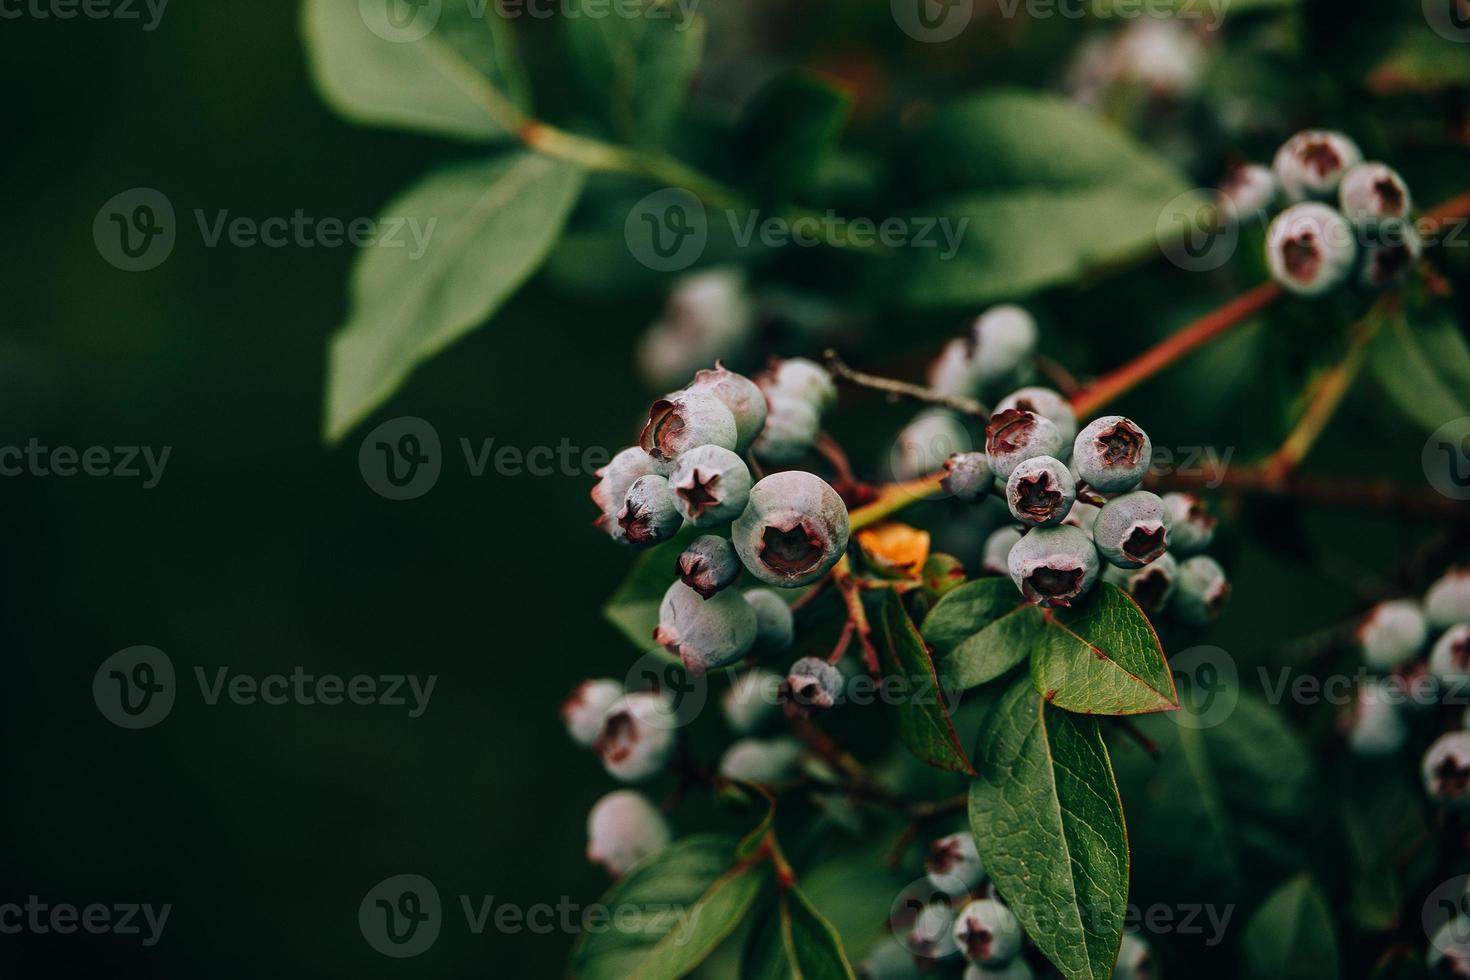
705 633
925 443
761 760
1371 192
742 396
584 709
1135 960
685 420
1053 566
1004 338
709 564
888 960
1151 586
751 700
987 933
774 623
1040 491
1448 600
1393 633
792 425
812 684
1310 249
1312 163
613 482
1200 592
1132 529
1014 436
931 937
637 736
623 828
649 514
1375 727
1082 515
1449 661
711 485
1390 254
1016 969
967 476
802 378
709 314
1049 405
1112 454
1247 191
953 864
995 560
1191 525
1446 770
953 372
793 530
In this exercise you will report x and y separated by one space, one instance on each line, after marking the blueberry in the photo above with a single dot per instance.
709 314
953 864
1446 770
1053 566
888 960
1191 525
793 530
1014 436
1135 960
1049 405
1393 633
1248 191
584 709
649 514
812 684
613 481
711 485
623 828
758 760
1132 529
953 372
1371 192
1310 249
1448 600
932 935
1312 163
708 565
803 379
1449 661
684 420
1016 969
742 396
1151 586
967 476
1375 728
637 737
1388 257
775 626
1082 516
1200 592
987 933
998 550
751 700
792 425
1040 491
925 443
1112 454
705 633
1449 950
1003 340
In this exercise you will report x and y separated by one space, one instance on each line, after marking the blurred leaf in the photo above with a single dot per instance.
848 890
1401 964
1208 15
685 901
793 942
447 71
923 714
633 608
1291 936
1049 826
637 69
1047 192
942 574
487 225
1380 804
1421 61
788 130
1422 363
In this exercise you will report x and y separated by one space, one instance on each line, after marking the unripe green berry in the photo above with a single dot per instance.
1132 529
705 633
793 530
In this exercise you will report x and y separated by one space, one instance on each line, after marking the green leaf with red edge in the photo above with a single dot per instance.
924 723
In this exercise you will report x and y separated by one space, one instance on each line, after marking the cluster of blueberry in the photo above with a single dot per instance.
1311 246
985 932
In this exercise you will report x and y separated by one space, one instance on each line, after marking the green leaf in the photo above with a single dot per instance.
1421 361
687 900
1049 827
924 723
446 71
636 68
1291 936
788 130
1400 964
1047 192
1100 657
487 225
633 608
794 942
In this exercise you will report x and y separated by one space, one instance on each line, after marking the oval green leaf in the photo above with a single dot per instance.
924 722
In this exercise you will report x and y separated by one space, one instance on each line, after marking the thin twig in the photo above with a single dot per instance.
1061 379
857 617
1367 495
1144 742
831 450
904 389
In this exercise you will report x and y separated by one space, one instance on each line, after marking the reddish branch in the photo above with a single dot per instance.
1365 494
